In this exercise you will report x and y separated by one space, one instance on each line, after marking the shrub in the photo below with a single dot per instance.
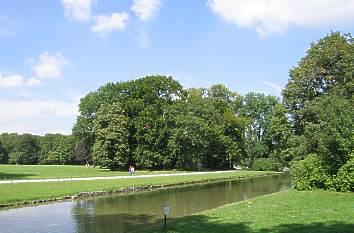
309 173
266 164
344 180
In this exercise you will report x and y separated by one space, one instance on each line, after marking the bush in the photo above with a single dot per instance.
344 180
309 173
266 164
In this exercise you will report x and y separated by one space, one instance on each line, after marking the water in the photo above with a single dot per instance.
129 212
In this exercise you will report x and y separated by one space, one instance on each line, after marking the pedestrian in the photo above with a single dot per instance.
132 170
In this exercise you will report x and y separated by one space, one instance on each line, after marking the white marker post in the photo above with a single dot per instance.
166 211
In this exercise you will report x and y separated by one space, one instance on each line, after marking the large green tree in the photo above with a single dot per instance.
328 67
319 99
143 101
111 148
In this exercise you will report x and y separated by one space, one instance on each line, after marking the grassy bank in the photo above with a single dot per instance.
26 192
284 212
60 171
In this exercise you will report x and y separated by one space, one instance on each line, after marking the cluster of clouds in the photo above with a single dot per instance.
276 16
81 11
48 65
38 116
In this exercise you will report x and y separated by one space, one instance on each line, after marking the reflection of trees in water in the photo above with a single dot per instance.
109 214
124 213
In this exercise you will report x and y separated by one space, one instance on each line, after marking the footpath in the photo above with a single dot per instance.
105 177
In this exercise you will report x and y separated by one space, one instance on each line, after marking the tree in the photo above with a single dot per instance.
8 143
259 109
319 99
111 148
3 156
328 67
143 101
26 150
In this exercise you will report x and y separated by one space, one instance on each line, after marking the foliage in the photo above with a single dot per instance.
26 150
344 180
266 164
309 173
3 156
110 126
328 67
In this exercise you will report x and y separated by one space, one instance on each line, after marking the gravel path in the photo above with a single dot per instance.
106 177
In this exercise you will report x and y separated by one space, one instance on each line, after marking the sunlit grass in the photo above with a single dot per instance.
284 212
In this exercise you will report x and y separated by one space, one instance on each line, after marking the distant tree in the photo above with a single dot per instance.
26 150
3 155
8 143
111 148
259 109
66 149
48 144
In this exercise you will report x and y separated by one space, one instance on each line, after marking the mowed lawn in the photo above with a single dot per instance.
61 171
284 212
24 192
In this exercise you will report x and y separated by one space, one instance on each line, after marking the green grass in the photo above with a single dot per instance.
61 171
284 212
24 192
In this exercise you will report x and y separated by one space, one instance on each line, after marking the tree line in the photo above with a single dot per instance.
34 149
154 123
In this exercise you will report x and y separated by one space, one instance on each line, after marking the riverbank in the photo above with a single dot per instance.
32 193
284 212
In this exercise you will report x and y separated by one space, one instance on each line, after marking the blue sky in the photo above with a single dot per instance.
54 52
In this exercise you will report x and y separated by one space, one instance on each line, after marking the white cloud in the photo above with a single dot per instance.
16 81
77 10
145 10
33 82
48 65
276 16
105 24
37 116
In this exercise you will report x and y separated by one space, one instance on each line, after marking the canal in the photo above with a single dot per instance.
129 212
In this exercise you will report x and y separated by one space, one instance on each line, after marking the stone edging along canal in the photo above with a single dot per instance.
131 189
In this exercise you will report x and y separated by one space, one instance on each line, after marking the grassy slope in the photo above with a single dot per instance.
283 212
55 171
20 193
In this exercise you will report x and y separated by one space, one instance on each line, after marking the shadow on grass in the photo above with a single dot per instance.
199 223
14 176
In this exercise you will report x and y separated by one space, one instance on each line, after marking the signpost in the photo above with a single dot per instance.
166 211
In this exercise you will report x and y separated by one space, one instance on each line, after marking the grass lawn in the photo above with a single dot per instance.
61 171
23 192
284 212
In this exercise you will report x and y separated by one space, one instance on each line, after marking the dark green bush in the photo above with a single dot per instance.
309 173
266 164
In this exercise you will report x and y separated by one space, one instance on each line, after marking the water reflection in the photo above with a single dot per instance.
126 213
129 212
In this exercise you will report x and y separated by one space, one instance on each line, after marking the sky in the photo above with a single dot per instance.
54 52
